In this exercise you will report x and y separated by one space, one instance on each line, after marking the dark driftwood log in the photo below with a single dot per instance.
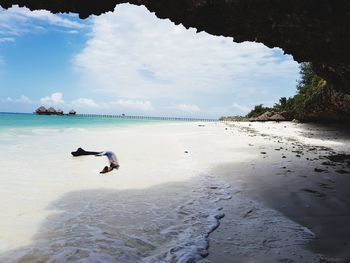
81 152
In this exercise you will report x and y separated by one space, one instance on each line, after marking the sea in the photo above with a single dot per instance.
158 207
28 120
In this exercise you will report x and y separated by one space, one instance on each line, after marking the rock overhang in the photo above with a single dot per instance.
310 30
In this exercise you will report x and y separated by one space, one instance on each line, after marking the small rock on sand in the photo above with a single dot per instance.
319 170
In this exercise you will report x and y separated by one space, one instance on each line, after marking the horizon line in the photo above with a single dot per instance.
118 116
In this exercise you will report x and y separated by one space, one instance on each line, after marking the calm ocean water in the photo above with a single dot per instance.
23 120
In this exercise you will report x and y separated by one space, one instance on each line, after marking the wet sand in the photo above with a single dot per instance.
292 176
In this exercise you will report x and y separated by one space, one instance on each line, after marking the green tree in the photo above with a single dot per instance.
308 84
309 80
257 111
282 105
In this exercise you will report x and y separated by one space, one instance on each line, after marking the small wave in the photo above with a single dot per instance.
171 223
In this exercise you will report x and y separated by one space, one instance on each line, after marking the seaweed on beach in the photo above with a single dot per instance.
315 192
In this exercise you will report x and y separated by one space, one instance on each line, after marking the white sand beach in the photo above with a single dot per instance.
175 182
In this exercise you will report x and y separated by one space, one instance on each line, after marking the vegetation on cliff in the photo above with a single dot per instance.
309 84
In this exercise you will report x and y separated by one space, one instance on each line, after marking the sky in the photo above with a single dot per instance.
129 61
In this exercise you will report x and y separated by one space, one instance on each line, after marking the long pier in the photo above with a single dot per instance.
146 117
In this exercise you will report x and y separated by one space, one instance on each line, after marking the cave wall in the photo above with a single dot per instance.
316 31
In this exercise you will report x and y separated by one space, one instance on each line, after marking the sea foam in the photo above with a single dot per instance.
163 224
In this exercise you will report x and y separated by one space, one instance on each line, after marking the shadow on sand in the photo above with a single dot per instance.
326 131
162 223
318 201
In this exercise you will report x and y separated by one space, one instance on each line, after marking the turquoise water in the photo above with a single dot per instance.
22 120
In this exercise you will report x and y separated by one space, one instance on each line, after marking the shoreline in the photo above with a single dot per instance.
186 175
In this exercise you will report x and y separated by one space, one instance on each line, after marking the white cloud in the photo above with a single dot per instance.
121 105
46 16
191 108
54 98
73 32
16 21
84 102
6 39
23 99
132 104
133 54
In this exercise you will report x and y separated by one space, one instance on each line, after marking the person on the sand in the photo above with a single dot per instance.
113 161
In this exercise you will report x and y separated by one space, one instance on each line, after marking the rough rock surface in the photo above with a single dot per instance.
327 105
314 31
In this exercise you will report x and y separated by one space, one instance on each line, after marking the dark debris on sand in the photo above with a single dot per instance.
340 158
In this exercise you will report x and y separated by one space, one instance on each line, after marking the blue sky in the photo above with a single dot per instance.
128 61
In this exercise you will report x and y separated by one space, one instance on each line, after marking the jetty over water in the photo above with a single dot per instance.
147 117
